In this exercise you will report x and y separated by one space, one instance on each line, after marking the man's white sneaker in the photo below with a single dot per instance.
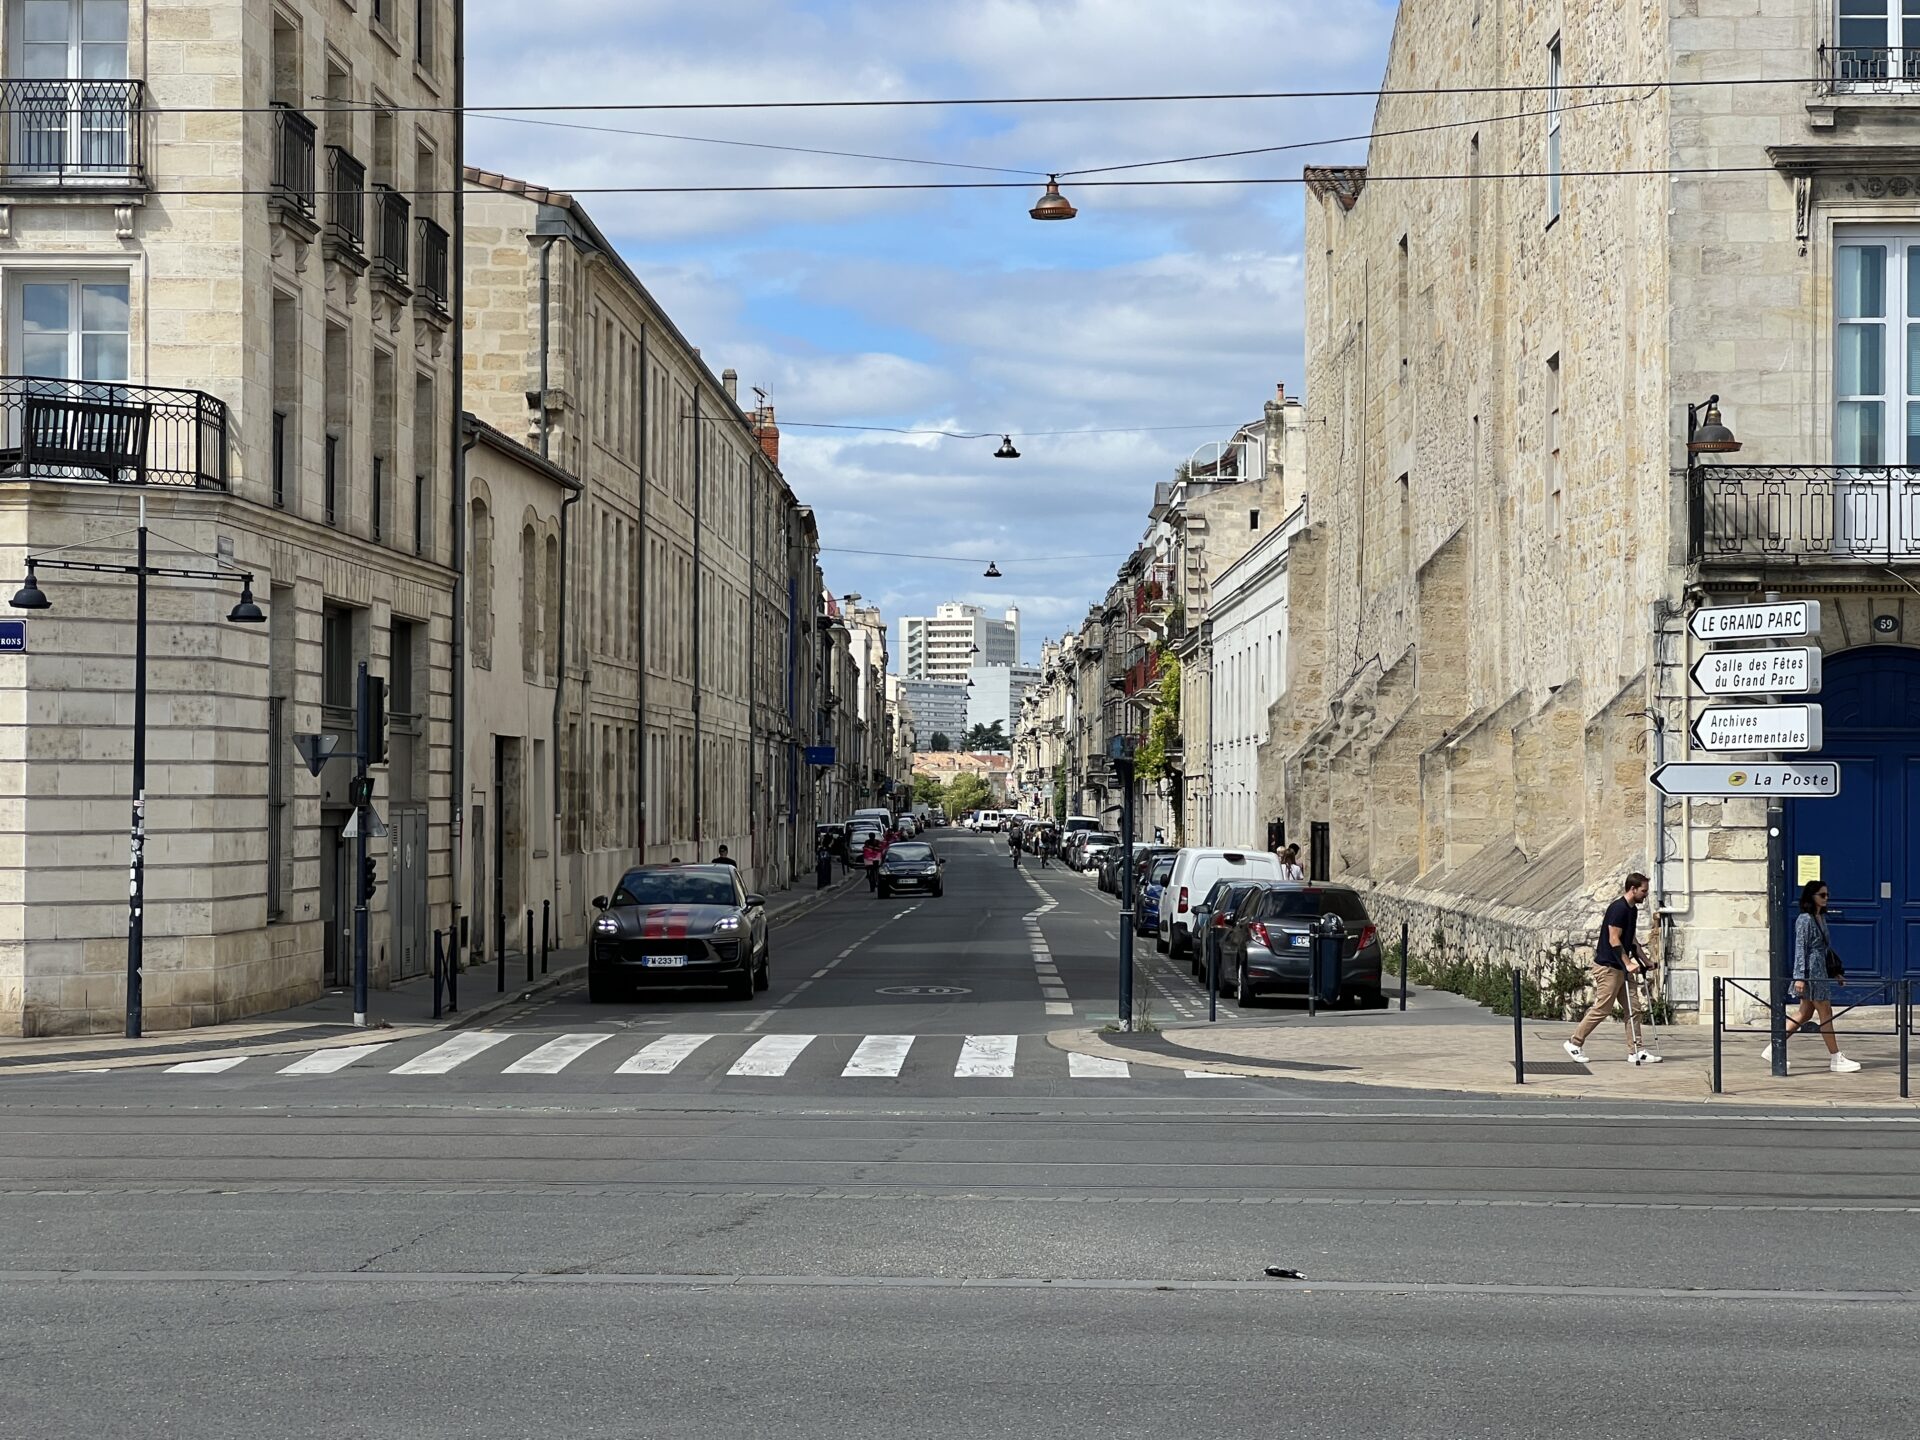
1841 1065
1574 1050
1643 1057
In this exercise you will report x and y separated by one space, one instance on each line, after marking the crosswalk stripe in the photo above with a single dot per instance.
457 1051
206 1067
880 1055
325 1062
1096 1067
771 1055
987 1055
554 1056
662 1056
1059 1007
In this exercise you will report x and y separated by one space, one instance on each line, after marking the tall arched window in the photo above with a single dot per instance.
480 583
552 590
529 603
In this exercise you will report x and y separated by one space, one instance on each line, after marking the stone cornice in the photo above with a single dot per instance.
1845 159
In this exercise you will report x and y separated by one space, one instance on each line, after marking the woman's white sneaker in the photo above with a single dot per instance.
1839 1064
1643 1056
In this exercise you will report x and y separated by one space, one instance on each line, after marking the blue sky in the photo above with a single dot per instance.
953 310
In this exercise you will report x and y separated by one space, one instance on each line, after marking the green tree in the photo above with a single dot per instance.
966 792
1152 760
1059 799
989 737
927 790
940 742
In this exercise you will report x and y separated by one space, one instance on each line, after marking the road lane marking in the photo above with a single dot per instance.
879 1055
771 1055
1096 1067
662 1056
457 1051
325 1062
1059 1007
554 1056
987 1055
206 1067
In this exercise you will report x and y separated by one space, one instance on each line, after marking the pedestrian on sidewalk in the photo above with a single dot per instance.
1290 864
823 865
1617 958
722 858
1816 965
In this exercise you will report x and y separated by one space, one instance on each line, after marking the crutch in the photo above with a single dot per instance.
1634 1020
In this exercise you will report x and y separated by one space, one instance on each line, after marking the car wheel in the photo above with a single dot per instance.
1174 947
761 979
741 987
938 891
600 988
1242 988
882 892
1160 942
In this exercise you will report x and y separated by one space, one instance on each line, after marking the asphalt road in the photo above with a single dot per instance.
979 1243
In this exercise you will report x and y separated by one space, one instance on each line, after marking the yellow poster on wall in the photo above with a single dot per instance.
1809 869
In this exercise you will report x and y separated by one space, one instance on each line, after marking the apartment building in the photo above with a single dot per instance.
680 568
948 643
224 253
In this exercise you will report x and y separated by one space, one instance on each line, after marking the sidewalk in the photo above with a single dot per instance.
396 1013
1446 1043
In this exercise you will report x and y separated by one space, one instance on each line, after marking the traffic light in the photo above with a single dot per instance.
376 720
360 791
368 879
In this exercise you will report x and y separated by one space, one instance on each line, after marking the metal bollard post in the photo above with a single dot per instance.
453 979
1519 1038
439 965
500 951
546 915
1906 1034
1719 1023
1403 966
529 944
1213 978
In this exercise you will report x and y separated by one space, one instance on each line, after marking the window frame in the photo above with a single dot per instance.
1556 73
74 279
1893 65
1898 322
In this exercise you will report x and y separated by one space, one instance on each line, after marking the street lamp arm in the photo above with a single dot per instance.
169 571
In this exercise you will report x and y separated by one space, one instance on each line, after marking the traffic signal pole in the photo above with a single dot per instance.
363 813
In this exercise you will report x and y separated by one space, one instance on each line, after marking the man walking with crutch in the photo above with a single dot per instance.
1617 959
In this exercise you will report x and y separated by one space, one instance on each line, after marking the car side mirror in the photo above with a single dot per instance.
754 902
599 902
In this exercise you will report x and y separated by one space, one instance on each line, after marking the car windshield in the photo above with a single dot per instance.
674 887
910 852
1162 868
1312 904
1101 837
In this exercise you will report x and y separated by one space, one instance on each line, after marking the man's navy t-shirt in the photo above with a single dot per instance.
1621 913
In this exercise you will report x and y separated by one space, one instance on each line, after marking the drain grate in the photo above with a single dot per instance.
1557 1067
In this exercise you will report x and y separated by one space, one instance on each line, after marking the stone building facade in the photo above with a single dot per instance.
1489 605
685 594
259 294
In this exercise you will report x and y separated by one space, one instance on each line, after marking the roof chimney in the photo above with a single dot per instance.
1280 391
767 433
730 382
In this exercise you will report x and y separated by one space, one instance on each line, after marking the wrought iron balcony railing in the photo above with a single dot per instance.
432 262
346 201
72 134
1806 514
293 135
390 214
111 432
1854 69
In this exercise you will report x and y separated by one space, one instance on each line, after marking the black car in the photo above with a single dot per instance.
911 865
1211 917
678 926
1269 945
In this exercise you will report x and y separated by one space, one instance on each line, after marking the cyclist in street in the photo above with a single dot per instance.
1013 846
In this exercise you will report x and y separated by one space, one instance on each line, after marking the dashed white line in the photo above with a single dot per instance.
987 1055
457 1051
206 1067
771 1055
325 1062
662 1056
879 1056
554 1056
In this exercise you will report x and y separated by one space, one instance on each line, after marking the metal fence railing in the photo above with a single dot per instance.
110 431
1806 513
1877 995
72 132
293 175
346 200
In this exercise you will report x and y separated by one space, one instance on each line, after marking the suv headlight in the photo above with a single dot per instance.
606 925
727 922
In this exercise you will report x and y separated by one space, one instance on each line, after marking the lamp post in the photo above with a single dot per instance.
246 612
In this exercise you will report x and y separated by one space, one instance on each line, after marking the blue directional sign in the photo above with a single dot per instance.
820 754
13 636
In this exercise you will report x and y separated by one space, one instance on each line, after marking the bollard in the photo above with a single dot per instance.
546 914
500 951
1906 1032
1403 966
1213 976
1519 1038
529 944
439 964
453 980
1719 1023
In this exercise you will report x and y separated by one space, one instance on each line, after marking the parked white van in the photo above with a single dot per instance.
1194 872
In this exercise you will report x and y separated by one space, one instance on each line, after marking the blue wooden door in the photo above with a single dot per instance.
1865 840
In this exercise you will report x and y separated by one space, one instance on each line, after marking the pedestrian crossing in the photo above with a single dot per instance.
605 1054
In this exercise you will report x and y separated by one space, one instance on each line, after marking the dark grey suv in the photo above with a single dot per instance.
1268 948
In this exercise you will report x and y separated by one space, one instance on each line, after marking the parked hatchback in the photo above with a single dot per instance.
1269 946
1148 919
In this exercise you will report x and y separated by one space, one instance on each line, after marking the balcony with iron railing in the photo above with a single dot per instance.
346 207
431 261
72 134
1870 69
391 221
293 172
1755 515
111 433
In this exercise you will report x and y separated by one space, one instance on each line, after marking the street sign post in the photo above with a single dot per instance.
1757 727
1803 779
1792 671
1776 620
